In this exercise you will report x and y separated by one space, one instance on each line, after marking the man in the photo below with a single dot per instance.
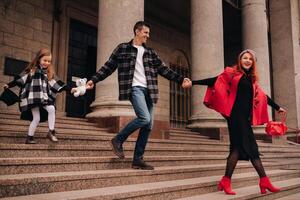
138 67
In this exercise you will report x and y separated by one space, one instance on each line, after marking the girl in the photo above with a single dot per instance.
38 89
236 95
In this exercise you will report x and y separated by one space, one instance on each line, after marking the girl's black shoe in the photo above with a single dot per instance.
30 140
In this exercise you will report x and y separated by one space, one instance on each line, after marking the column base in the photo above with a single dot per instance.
214 127
206 122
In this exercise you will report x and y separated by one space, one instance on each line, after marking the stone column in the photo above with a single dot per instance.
255 37
207 57
285 57
116 21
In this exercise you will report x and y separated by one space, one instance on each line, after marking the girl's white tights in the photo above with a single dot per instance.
36 118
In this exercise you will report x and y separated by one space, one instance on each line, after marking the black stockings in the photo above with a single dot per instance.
231 162
233 159
258 167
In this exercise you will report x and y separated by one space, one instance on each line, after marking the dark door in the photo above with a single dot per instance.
81 64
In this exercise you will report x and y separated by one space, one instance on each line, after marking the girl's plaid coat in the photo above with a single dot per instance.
36 91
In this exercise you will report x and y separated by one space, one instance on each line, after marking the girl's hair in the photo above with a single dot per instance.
34 64
253 69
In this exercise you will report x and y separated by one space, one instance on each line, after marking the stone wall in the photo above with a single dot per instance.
25 27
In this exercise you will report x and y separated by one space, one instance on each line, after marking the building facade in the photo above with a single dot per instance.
196 38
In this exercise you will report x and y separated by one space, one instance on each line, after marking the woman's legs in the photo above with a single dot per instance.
257 164
264 182
231 162
225 183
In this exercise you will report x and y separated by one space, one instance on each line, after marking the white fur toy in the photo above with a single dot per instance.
81 88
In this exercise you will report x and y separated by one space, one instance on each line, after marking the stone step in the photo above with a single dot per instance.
62 150
23 123
190 135
171 189
45 129
26 184
295 196
68 120
56 164
101 138
288 189
186 133
58 150
7 113
189 139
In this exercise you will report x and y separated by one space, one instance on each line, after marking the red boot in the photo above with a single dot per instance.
225 184
265 184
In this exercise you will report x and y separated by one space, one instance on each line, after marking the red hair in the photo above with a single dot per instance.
253 69
34 64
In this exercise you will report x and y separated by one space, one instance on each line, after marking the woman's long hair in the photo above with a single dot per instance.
253 69
35 63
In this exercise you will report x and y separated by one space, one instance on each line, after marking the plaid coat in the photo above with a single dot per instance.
124 58
36 91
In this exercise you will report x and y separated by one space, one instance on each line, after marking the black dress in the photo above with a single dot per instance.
239 123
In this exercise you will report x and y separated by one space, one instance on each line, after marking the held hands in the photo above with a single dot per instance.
5 86
73 90
282 112
89 85
187 83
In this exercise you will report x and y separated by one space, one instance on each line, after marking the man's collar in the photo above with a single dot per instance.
131 43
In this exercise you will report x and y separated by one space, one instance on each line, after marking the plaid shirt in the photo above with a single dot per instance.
124 58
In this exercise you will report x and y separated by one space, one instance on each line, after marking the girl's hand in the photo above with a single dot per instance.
5 86
73 90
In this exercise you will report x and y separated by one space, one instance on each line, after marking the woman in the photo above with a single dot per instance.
236 95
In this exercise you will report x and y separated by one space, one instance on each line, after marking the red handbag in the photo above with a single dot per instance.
276 128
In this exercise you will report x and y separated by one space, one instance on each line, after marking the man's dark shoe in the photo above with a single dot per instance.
117 148
141 164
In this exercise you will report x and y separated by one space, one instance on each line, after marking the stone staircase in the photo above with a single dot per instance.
82 166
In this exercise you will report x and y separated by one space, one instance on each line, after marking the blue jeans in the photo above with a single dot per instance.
143 108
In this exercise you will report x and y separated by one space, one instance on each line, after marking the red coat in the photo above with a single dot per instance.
222 95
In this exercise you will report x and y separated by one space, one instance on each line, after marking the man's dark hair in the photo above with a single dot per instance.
139 25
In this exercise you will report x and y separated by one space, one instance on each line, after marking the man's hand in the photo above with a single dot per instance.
187 83
89 85
5 86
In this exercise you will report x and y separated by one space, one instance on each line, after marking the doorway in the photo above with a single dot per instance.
82 59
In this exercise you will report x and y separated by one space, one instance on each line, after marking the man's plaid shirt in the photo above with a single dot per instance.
124 58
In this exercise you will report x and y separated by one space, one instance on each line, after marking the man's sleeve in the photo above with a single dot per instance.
108 68
165 71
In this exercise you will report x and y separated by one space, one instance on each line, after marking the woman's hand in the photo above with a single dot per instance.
282 112
187 83
5 86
